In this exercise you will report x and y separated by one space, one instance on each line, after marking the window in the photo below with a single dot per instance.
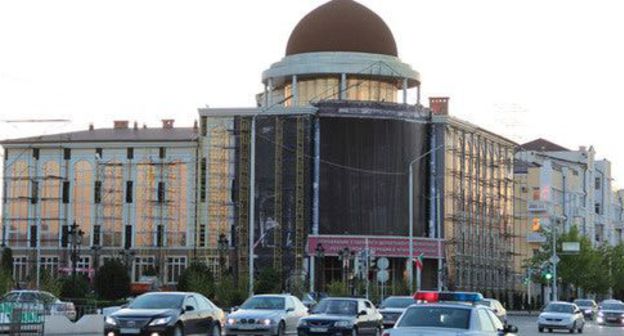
83 263
66 186
536 194
190 301
35 153
203 121
50 264
96 235
161 192
597 183
98 153
128 237
523 189
175 266
130 153
141 266
65 236
67 153
202 235
159 235
34 192
20 268
202 180
129 191
97 192
597 208
33 236
162 152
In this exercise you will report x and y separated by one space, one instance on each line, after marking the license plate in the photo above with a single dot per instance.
130 330
611 319
246 326
318 330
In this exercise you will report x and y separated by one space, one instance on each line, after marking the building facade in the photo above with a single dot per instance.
130 191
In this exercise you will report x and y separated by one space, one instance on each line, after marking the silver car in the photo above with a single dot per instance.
449 319
561 315
266 315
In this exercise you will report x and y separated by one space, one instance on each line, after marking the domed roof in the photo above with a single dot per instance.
342 25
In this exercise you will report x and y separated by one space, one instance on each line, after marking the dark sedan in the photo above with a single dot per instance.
166 314
342 316
392 307
611 313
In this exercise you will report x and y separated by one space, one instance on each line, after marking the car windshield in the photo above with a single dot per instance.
436 317
559 308
336 307
265 302
584 303
613 306
396 302
157 301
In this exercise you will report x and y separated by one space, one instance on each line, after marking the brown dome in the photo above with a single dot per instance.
342 25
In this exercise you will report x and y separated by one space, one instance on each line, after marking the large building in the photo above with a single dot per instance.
318 172
129 190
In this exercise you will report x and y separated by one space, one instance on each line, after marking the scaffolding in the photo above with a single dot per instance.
279 160
242 232
299 198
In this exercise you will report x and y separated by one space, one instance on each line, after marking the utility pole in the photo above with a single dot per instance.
252 197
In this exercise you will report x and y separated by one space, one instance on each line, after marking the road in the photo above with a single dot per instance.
527 326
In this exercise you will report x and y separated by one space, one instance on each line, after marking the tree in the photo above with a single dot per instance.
268 282
197 278
78 289
337 288
228 294
112 281
49 283
6 265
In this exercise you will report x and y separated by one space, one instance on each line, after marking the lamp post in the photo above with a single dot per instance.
76 234
320 254
127 255
223 247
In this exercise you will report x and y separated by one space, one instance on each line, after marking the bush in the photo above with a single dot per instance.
112 281
6 264
75 290
268 282
197 278
50 283
6 282
228 293
337 288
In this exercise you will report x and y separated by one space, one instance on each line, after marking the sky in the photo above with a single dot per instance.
524 69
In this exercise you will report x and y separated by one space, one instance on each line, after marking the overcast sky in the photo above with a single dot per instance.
525 69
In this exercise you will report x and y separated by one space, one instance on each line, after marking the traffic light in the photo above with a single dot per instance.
547 272
536 226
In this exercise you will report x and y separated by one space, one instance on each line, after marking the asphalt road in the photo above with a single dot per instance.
527 326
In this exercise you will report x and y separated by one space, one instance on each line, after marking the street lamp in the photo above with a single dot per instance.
320 254
75 234
223 247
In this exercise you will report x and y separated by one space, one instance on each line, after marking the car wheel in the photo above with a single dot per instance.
216 331
540 329
580 330
354 332
549 330
281 329
178 331
572 329
378 332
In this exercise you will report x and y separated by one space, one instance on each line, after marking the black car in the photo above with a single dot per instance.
166 314
611 313
342 316
392 307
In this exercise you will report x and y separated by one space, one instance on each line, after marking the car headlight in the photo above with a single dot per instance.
342 324
600 314
267 322
160 321
110 320
588 311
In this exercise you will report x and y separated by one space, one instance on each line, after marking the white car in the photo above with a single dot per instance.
561 315
496 307
458 316
40 300
267 314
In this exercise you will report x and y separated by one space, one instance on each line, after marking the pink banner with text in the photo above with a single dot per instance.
382 246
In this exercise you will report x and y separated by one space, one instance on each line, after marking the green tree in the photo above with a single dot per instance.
50 283
228 293
617 269
337 288
268 282
6 282
78 289
197 278
112 281
6 264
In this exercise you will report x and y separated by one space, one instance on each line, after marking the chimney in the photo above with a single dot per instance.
195 126
167 123
91 128
120 124
439 105
136 125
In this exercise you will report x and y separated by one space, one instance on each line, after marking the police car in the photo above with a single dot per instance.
449 314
